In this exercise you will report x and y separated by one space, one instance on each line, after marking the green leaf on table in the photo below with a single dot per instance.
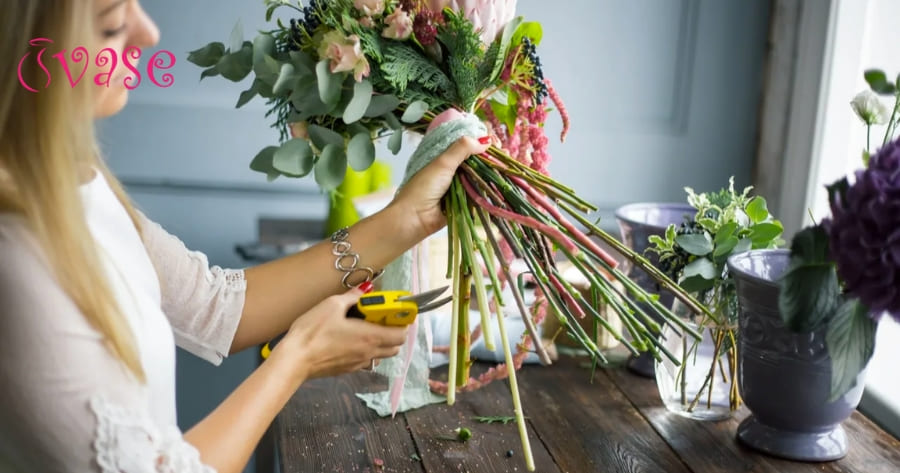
362 96
236 41
294 158
699 244
285 79
700 267
395 141
331 167
235 66
808 296
878 82
850 339
322 137
414 112
262 162
382 104
329 84
757 210
761 234
208 55
361 151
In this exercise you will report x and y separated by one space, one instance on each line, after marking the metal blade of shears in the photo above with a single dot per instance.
435 305
425 297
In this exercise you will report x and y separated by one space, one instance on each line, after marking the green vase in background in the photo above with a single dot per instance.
341 212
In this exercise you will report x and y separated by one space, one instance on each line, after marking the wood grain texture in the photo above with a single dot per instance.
486 450
587 426
326 428
712 446
614 424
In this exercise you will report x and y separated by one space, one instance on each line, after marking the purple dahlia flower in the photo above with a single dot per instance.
864 233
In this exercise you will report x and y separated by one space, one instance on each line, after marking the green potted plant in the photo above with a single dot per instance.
726 222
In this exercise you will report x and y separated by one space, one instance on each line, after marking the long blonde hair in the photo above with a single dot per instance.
47 142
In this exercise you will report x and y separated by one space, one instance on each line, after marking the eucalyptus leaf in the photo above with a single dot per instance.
361 151
382 104
262 162
305 98
246 96
356 109
757 210
266 69
329 84
808 296
208 55
263 45
700 267
210 72
236 41
331 167
414 112
395 141
303 63
392 121
294 158
695 244
322 137
285 79
850 339
236 66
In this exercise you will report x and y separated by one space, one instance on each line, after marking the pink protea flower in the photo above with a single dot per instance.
488 16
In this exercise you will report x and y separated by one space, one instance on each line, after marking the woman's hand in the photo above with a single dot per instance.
421 196
324 342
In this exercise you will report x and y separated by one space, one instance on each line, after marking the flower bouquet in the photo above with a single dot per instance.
695 253
845 270
344 73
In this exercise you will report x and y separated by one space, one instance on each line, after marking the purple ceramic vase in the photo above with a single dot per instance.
784 377
636 223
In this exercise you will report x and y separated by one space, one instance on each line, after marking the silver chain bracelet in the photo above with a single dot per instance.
348 261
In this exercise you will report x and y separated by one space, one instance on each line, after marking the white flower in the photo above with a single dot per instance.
869 108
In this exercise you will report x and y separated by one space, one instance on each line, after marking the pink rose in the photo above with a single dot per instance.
345 54
400 25
369 7
367 22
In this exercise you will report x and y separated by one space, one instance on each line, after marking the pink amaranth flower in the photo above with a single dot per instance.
563 113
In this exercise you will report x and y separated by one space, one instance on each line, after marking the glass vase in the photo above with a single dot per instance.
703 384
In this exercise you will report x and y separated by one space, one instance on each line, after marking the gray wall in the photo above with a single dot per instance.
662 94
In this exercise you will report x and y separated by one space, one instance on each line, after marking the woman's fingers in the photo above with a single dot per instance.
462 149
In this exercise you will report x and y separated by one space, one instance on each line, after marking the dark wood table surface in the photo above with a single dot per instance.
614 424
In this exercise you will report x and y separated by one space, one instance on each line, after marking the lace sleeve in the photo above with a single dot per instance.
66 404
203 303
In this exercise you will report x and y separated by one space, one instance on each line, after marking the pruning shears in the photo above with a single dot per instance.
390 308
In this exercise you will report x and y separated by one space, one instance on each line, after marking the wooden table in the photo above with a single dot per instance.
616 424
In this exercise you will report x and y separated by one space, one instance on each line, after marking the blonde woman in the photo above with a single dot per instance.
94 296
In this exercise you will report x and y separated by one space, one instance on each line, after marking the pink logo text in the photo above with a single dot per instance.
107 57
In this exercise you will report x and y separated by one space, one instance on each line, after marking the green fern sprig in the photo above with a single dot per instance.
403 66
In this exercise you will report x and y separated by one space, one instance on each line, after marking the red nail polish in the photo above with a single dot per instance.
484 140
366 287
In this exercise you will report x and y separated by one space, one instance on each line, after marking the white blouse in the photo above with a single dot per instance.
66 404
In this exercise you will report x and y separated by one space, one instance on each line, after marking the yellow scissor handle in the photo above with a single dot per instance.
381 307
385 308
